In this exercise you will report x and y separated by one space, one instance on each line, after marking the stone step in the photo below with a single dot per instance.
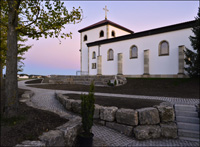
187 133
189 139
192 120
188 126
179 107
186 113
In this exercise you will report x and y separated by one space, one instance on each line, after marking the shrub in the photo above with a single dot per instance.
87 110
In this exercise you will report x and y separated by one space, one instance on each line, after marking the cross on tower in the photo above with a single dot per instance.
105 11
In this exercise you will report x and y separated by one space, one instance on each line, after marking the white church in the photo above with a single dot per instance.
108 48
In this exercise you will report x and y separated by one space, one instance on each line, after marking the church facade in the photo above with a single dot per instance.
111 49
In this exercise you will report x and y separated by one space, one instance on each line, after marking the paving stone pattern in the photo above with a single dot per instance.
45 99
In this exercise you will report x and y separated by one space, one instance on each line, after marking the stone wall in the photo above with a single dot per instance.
85 80
145 123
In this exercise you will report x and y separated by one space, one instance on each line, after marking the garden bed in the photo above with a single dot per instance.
168 87
120 102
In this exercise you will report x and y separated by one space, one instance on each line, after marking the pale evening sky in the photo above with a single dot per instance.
48 57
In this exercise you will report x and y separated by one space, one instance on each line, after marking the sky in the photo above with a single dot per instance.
48 57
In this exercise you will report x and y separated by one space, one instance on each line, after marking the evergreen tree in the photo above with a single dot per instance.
192 58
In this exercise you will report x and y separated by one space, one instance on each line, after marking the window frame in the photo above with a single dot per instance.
108 55
159 48
101 34
113 32
85 38
94 66
130 53
93 55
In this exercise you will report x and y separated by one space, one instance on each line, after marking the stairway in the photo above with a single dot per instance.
187 121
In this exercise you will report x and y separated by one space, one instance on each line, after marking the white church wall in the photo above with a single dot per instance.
93 71
118 32
92 35
158 65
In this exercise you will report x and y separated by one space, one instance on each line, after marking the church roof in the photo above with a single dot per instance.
105 22
170 28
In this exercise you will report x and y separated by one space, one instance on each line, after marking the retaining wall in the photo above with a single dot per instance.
145 123
85 80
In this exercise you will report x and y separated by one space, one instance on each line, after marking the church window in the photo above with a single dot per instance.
110 54
113 33
101 34
163 48
93 65
85 38
133 52
93 55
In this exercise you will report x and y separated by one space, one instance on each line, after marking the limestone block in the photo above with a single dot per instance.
147 132
100 122
148 116
166 113
97 111
53 138
31 93
70 130
169 130
68 104
127 130
31 143
26 96
76 106
127 116
108 113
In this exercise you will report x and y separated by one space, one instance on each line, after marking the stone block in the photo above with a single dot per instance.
68 104
70 130
97 111
76 106
144 132
53 138
148 116
100 122
108 113
169 130
26 96
166 113
127 116
127 130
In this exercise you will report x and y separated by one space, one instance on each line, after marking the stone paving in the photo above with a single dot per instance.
103 136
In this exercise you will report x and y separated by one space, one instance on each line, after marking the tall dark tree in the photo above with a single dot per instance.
192 59
38 18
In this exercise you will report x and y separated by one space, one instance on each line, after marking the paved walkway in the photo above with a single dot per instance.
45 99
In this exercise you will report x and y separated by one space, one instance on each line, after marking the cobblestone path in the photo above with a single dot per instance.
103 136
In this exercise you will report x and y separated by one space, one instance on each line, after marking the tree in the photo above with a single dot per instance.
38 18
192 58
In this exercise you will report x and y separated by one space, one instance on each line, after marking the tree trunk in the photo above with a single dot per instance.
11 85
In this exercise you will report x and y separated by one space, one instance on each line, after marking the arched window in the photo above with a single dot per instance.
163 48
113 33
101 34
85 38
93 55
133 52
110 54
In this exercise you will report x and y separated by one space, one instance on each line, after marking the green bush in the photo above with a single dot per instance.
87 110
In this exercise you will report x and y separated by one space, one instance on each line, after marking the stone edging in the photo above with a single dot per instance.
64 135
145 123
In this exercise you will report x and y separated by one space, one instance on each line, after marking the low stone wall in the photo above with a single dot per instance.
85 80
64 135
144 123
